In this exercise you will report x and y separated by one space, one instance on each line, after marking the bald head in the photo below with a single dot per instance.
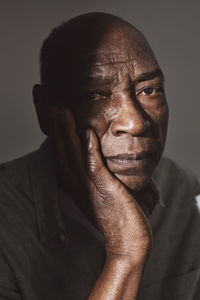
93 37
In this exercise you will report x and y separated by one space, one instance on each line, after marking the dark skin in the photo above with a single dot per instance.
110 144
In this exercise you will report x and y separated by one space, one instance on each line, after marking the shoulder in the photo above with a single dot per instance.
15 179
176 228
16 201
180 195
173 179
16 168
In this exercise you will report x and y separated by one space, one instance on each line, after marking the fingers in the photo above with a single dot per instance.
62 155
57 137
70 151
97 171
68 157
74 146
66 139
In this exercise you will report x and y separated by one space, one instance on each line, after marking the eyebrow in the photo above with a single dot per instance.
101 79
149 76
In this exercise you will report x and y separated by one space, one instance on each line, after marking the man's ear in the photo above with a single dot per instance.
42 105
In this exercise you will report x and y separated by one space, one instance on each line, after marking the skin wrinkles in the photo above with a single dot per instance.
111 113
103 58
123 78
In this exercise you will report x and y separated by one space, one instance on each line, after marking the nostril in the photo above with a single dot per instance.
118 133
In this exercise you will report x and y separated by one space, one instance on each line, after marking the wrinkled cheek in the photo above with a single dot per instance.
97 115
98 123
164 122
101 118
111 112
95 119
160 125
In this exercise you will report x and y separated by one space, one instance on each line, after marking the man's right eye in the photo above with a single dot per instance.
95 96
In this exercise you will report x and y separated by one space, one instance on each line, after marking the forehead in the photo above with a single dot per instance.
119 49
109 64
118 53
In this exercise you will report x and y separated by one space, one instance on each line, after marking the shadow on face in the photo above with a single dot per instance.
103 69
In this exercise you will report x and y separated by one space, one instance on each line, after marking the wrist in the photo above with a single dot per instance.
135 260
134 254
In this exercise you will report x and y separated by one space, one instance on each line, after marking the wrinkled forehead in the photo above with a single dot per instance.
115 53
113 62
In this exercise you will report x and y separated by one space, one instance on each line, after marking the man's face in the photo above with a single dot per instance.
121 96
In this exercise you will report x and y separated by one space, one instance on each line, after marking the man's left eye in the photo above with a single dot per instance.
150 91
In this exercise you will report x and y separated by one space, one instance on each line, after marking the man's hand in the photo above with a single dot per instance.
119 216
117 213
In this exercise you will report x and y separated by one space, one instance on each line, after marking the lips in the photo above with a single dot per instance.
127 157
130 163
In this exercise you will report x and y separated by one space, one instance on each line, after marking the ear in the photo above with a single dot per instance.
42 105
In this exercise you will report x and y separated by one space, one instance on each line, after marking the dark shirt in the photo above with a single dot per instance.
46 254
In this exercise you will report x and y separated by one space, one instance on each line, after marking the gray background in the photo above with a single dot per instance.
172 28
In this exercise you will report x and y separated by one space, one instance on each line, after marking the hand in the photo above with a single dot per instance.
103 196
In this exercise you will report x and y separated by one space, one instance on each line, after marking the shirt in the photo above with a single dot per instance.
45 253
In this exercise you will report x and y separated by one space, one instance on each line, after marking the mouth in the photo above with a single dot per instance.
129 164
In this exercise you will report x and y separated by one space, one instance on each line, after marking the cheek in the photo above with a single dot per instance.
100 115
111 112
98 123
159 120
94 116
165 117
162 118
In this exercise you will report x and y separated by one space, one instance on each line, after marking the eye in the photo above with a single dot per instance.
150 91
95 96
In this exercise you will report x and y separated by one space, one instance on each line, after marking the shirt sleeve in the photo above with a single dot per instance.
8 285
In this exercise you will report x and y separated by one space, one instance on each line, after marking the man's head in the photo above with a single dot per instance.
103 69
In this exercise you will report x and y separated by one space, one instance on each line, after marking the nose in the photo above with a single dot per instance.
131 119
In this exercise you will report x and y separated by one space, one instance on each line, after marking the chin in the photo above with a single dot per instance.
134 182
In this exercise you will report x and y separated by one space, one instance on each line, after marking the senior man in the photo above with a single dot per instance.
77 215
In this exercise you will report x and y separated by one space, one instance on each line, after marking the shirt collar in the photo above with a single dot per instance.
156 181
